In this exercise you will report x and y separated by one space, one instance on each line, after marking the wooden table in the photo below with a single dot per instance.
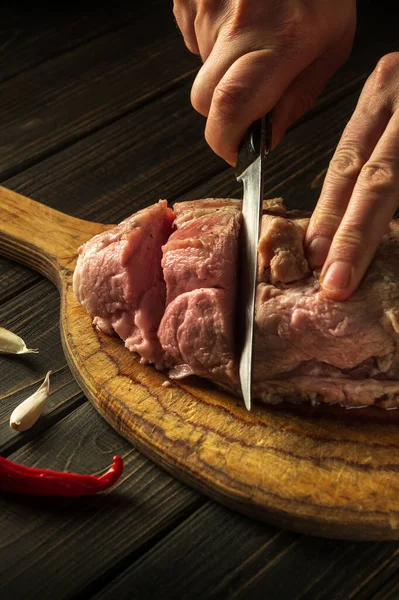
96 121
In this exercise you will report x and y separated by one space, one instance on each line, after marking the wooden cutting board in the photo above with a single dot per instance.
326 472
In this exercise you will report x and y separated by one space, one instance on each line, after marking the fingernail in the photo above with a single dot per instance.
317 251
338 276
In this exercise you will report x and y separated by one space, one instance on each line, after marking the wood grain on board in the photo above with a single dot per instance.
263 463
107 182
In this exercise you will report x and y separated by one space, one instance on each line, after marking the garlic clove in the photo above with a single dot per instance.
11 343
27 413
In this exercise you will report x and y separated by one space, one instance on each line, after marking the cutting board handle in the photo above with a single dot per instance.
41 237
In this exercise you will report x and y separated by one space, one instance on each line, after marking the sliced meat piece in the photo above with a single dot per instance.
197 334
186 212
200 269
192 209
118 279
202 253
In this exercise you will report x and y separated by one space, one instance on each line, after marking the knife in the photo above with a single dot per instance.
250 170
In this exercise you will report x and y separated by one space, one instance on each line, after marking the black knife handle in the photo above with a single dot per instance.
258 135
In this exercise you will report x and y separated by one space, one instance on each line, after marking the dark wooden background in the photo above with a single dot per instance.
95 120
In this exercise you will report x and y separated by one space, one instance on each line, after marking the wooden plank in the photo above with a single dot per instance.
36 34
70 96
218 554
55 548
108 176
157 151
14 279
390 591
359 574
34 315
296 169
55 104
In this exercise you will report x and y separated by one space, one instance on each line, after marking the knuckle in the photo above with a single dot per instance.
229 98
386 68
350 242
327 221
200 98
346 163
378 177
293 31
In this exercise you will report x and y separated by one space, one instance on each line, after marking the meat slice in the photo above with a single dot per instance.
202 252
118 280
197 334
200 270
186 212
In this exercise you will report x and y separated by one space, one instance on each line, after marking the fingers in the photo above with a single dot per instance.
249 89
218 62
238 84
184 13
252 52
353 151
372 205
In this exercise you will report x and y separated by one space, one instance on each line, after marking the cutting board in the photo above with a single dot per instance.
327 472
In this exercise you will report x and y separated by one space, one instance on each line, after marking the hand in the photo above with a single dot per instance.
259 55
361 188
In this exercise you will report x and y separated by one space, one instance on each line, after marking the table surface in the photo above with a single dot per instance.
95 120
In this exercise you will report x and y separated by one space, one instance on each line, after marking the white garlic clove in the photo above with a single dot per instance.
11 343
27 413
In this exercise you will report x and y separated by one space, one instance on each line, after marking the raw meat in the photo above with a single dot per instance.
310 347
200 269
307 347
118 280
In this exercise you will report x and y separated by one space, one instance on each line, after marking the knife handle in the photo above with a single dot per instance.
258 135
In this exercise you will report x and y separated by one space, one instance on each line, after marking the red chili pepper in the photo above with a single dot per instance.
42 482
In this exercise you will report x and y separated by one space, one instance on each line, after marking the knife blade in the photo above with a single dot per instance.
250 170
